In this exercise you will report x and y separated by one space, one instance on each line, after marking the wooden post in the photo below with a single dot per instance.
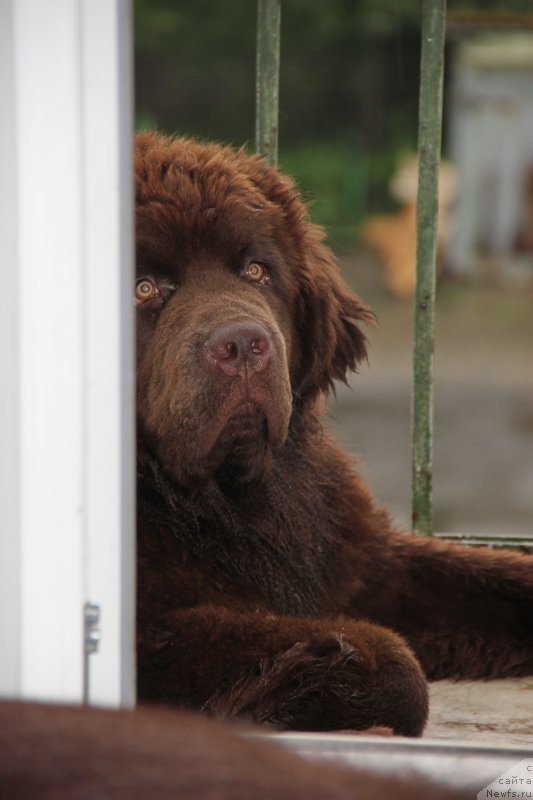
429 146
267 79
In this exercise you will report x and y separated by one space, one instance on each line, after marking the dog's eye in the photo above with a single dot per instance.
257 273
145 289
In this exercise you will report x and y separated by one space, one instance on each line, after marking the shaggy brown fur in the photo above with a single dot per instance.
51 753
270 585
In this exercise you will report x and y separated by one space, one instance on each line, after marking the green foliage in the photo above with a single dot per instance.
341 184
348 86
332 179
195 66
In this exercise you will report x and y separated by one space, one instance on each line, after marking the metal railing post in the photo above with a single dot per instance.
429 146
267 79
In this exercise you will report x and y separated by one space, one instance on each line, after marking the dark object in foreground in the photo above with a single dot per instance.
86 754
270 584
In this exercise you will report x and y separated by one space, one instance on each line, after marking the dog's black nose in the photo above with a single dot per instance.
239 348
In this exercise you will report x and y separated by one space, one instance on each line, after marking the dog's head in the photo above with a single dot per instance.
241 313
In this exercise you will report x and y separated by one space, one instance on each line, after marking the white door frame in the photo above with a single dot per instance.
66 360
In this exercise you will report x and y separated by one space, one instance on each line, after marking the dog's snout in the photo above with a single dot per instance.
239 347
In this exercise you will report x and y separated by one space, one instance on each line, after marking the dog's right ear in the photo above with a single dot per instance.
329 316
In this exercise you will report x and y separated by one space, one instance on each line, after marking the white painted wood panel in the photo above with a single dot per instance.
66 470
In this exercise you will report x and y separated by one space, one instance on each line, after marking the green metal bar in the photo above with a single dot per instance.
429 146
267 79
510 541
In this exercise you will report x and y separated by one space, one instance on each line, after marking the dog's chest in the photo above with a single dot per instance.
275 561
206 549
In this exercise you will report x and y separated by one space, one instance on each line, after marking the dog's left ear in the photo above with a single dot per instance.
329 315
331 344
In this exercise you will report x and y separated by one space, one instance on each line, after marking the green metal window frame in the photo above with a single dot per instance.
429 152
429 145
267 79
429 149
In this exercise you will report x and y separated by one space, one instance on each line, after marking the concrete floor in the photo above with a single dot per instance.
496 712
483 429
483 451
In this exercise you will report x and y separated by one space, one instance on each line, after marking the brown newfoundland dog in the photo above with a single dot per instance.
270 585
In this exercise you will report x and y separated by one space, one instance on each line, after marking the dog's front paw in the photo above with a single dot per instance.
331 684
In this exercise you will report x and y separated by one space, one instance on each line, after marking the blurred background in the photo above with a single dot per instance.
348 130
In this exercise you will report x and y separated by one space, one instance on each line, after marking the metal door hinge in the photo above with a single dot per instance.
92 631
92 636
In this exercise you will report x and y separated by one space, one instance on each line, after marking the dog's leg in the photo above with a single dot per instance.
467 612
305 674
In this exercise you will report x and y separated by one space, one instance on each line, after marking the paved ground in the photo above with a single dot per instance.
483 459
497 712
483 454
